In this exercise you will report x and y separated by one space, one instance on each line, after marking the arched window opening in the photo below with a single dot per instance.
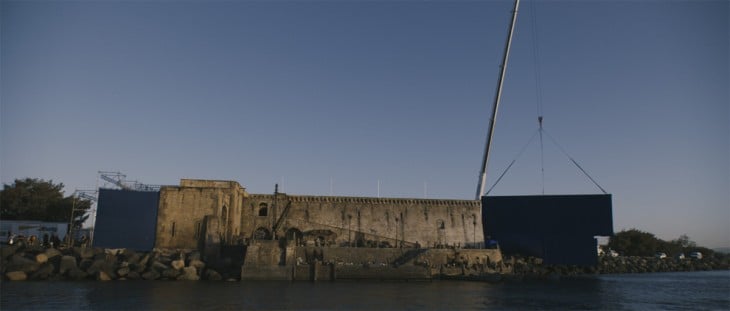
261 234
295 236
263 209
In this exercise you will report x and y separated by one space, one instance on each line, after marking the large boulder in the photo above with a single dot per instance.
41 258
35 248
133 259
20 263
99 256
85 264
170 273
127 253
159 266
84 252
16 276
194 255
189 274
197 264
103 276
143 262
52 252
7 251
77 274
132 275
111 258
43 272
137 267
178 264
95 266
151 275
163 259
212 275
67 263
180 256
123 271
110 271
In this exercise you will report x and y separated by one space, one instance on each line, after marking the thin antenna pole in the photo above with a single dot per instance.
497 98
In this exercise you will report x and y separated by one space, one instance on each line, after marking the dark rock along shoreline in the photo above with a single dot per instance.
38 263
533 267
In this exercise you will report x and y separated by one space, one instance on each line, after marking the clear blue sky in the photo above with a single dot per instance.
302 93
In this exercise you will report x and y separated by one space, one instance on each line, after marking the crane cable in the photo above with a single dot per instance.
540 130
538 95
538 88
574 162
511 163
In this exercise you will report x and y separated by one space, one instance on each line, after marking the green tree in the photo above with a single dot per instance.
638 243
684 241
38 199
634 242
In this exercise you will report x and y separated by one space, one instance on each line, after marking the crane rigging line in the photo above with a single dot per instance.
574 162
511 163
539 105
538 87
536 58
541 131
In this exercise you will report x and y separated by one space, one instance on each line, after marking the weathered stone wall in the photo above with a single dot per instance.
269 260
361 255
200 213
181 218
381 273
359 221
265 260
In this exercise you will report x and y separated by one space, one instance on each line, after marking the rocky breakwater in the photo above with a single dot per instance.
531 267
38 263
634 264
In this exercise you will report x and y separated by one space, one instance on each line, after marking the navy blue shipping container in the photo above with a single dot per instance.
561 229
126 219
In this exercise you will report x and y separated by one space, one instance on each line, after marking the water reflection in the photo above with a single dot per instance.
687 291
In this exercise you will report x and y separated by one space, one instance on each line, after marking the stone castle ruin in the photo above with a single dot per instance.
279 234
201 212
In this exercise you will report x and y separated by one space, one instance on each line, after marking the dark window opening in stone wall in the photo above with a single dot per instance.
172 229
261 234
295 236
198 229
263 209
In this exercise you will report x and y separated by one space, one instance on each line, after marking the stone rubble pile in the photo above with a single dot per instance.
38 263
534 267
634 264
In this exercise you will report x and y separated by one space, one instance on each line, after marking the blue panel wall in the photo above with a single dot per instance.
126 219
558 228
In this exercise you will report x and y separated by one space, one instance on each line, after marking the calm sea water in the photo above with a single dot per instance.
661 291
